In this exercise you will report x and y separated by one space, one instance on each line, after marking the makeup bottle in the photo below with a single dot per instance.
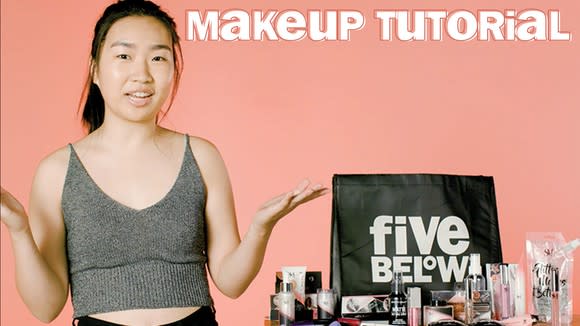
469 311
555 298
398 300
505 293
325 302
414 306
475 277
286 304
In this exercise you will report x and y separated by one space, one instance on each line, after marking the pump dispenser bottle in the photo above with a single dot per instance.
398 299
286 304
475 277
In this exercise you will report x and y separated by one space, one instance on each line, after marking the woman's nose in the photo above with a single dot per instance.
140 72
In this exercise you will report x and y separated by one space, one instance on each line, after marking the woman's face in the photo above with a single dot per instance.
135 69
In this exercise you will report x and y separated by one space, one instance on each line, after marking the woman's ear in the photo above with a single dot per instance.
93 67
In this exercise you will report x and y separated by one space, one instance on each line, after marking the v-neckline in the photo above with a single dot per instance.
125 206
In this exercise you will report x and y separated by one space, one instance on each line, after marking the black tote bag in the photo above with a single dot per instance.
423 224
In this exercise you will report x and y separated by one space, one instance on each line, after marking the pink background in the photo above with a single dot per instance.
281 111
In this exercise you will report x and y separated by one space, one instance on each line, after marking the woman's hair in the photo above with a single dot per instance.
94 104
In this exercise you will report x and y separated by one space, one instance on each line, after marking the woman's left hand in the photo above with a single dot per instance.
276 208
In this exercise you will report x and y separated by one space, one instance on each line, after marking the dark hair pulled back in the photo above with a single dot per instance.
91 99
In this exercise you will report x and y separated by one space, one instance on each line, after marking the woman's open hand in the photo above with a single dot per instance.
276 208
12 213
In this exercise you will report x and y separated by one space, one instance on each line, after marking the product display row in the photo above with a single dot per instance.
496 297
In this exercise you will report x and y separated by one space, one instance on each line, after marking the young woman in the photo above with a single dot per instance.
131 215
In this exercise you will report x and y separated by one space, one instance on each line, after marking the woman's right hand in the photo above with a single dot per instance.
12 213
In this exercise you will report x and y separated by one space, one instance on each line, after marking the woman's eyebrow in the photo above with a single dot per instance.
132 45
123 43
161 47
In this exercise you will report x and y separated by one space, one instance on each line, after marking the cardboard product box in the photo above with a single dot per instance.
456 299
274 310
482 306
493 275
366 307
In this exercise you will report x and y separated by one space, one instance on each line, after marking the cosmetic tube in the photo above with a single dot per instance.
555 298
296 275
505 293
414 306
469 303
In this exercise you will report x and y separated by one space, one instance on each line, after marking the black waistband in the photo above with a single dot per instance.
204 316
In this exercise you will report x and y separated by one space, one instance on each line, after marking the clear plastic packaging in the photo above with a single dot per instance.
547 252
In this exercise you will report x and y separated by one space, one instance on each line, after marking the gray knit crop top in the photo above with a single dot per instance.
120 258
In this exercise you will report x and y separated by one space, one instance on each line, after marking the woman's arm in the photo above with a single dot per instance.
234 263
38 242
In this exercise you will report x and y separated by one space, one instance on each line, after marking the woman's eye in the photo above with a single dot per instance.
159 58
123 56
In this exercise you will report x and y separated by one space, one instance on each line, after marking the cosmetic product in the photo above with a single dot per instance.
447 322
286 304
475 277
481 306
555 298
398 300
547 251
312 282
519 291
505 293
311 305
455 299
438 310
520 320
414 306
493 277
348 321
469 302
315 323
296 275
326 303
365 307
271 322
274 306
487 323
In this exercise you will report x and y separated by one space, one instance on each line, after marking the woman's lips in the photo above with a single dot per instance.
140 99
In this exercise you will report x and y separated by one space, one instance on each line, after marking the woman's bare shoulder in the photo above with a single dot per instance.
49 179
55 163
203 147
208 158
